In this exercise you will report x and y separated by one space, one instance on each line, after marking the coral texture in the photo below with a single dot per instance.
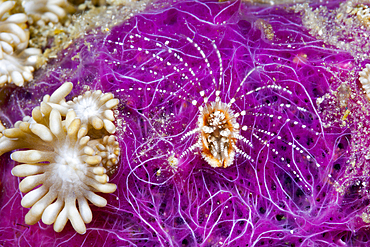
93 108
286 106
42 12
16 62
365 79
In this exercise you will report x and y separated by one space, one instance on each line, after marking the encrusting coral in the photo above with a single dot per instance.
16 62
63 161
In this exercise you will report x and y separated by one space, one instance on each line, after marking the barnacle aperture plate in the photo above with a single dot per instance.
218 127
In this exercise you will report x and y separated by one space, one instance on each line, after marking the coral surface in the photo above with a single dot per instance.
196 78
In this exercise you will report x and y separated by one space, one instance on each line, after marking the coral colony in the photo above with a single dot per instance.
17 62
73 170
195 123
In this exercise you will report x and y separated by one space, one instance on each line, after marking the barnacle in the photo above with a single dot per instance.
16 62
365 80
45 11
93 108
108 149
218 129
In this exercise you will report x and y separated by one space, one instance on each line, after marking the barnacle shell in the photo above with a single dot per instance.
365 80
71 173
94 108
218 128
16 62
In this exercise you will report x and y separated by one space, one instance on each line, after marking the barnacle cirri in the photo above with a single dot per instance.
16 62
94 108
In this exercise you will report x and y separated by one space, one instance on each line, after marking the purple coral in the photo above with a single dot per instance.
279 189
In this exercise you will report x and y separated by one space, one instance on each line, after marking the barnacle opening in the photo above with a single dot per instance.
218 127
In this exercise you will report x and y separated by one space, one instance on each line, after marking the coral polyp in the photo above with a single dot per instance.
17 62
237 125
42 12
13 33
62 160
93 108
365 79
70 175
108 149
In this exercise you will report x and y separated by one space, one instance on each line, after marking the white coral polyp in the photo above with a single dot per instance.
363 14
108 149
66 167
94 108
12 35
16 62
2 127
45 11
365 80
18 67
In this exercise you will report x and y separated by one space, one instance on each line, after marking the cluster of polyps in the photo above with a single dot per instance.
93 108
45 11
16 62
365 80
61 157
362 12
